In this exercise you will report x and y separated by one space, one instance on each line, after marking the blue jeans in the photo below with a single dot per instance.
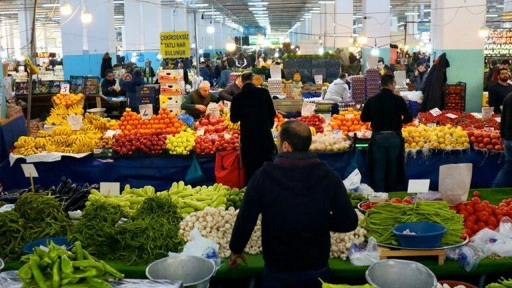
304 279
504 177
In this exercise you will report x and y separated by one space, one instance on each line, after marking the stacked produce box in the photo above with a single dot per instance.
455 97
275 86
172 87
358 89
372 78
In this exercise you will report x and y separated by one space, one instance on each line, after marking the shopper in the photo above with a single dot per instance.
504 177
338 90
106 64
204 72
231 90
241 62
499 90
383 67
419 75
108 84
129 85
197 101
301 199
254 109
386 112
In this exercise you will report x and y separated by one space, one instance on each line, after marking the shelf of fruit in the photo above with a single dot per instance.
438 137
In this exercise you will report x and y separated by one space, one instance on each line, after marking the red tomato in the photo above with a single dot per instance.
476 194
396 200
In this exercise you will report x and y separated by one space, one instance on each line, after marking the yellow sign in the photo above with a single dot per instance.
175 44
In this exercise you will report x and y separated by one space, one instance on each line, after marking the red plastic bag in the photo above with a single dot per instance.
229 169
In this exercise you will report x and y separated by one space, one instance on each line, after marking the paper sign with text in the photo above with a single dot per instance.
64 88
418 186
75 121
435 112
29 170
109 188
175 44
146 111
308 108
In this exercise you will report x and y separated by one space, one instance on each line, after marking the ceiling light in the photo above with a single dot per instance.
257 3
86 17
118 16
8 12
361 39
411 13
427 10
65 9
314 11
315 8
199 5
210 29
51 5
326 2
491 15
212 13
230 45
357 16
257 8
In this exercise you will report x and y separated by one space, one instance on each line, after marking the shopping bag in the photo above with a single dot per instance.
229 169
194 173
454 182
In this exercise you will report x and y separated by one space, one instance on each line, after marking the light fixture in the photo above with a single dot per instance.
361 39
491 15
230 45
321 50
86 16
201 51
483 31
257 3
326 2
8 12
375 50
65 9
209 46
411 13
51 5
159 56
199 5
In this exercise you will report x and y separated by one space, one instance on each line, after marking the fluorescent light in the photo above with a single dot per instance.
260 12
427 10
401 23
199 5
257 8
257 3
315 8
307 14
411 13
314 11
326 2
118 16
118 1
357 16
491 15
51 5
212 13
8 12
499 5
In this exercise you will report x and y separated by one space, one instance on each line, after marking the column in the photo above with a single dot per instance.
507 8
344 22
376 27
328 16
459 47
316 29
25 25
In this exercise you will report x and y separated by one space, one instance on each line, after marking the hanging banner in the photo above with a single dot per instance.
498 43
175 44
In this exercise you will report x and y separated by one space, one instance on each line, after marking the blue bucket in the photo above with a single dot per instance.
426 234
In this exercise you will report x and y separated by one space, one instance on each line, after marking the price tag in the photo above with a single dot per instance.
110 133
64 88
109 188
489 129
353 180
487 112
431 125
29 170
308 109
213 109
75 121
227 135
146 111
450 115
200 131
418 186
435 112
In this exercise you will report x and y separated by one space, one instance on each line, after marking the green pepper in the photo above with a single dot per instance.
506 282
112 271
45 262
56 274
66 266
69 280
87 273
25 272
495 285
39 252
79 251
38 276
98 283
87 264
76 286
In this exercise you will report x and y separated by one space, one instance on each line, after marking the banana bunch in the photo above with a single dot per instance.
25 146
64 130
75 109
60 110
231 125
100 123
56 120
84 145
42 134
40 143
31 67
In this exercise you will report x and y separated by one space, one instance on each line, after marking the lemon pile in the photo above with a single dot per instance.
181 143
440 137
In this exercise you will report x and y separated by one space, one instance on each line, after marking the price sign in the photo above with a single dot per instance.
75 121
64 88
146 111
489 129
450 115
308 109
487 112
29 170
418 186
109 188
435 112
200 131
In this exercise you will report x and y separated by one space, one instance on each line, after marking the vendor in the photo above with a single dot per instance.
196 102
338 90
108 84
231 90
499 90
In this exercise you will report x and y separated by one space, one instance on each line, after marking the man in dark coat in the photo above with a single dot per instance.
254 109
433 89
106 64
386 112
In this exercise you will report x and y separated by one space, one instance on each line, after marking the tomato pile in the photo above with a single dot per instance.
367 205
211 124
466 120
316 121
454 97
480 214
225 141
485 140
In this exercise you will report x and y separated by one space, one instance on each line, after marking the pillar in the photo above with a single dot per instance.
83 45
3 100
507 8
344 22
460 47
376 27
327 15
174 18
25 25
317 30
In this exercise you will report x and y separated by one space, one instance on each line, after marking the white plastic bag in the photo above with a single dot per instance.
505 227
454 182
364 256
203 247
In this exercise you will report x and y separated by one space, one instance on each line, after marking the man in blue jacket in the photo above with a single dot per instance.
301 199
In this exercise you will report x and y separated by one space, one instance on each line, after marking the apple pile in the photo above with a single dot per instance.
127 144
205 144
316 121
181 143
228 141
454 97
211 124
486 140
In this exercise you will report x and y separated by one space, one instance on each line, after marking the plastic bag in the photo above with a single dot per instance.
505 227
468 255
454 182
364 256
194 173
202 247
187 119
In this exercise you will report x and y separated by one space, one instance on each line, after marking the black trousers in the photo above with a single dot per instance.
253 159
386 148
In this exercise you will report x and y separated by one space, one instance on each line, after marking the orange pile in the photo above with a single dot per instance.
348 121
67 99
165 122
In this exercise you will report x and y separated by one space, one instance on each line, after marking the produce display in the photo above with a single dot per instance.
316 121
34 216
467 121
148 143
58 115
223 141
348 121
485 140
454 97
380 220
502 283
278 121
480 214
60 268
67 100
330 142
367 205
341 242
181 143
439 137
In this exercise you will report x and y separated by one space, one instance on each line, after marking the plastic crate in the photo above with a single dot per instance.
455 97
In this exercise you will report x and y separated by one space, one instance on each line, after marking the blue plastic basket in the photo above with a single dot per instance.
59 241
427 234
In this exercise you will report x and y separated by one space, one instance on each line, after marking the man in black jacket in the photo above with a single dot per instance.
504 177
254 109
301 199
387 112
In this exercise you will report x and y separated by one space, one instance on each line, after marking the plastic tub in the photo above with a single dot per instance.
59 241
427 234
193 271
394 273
